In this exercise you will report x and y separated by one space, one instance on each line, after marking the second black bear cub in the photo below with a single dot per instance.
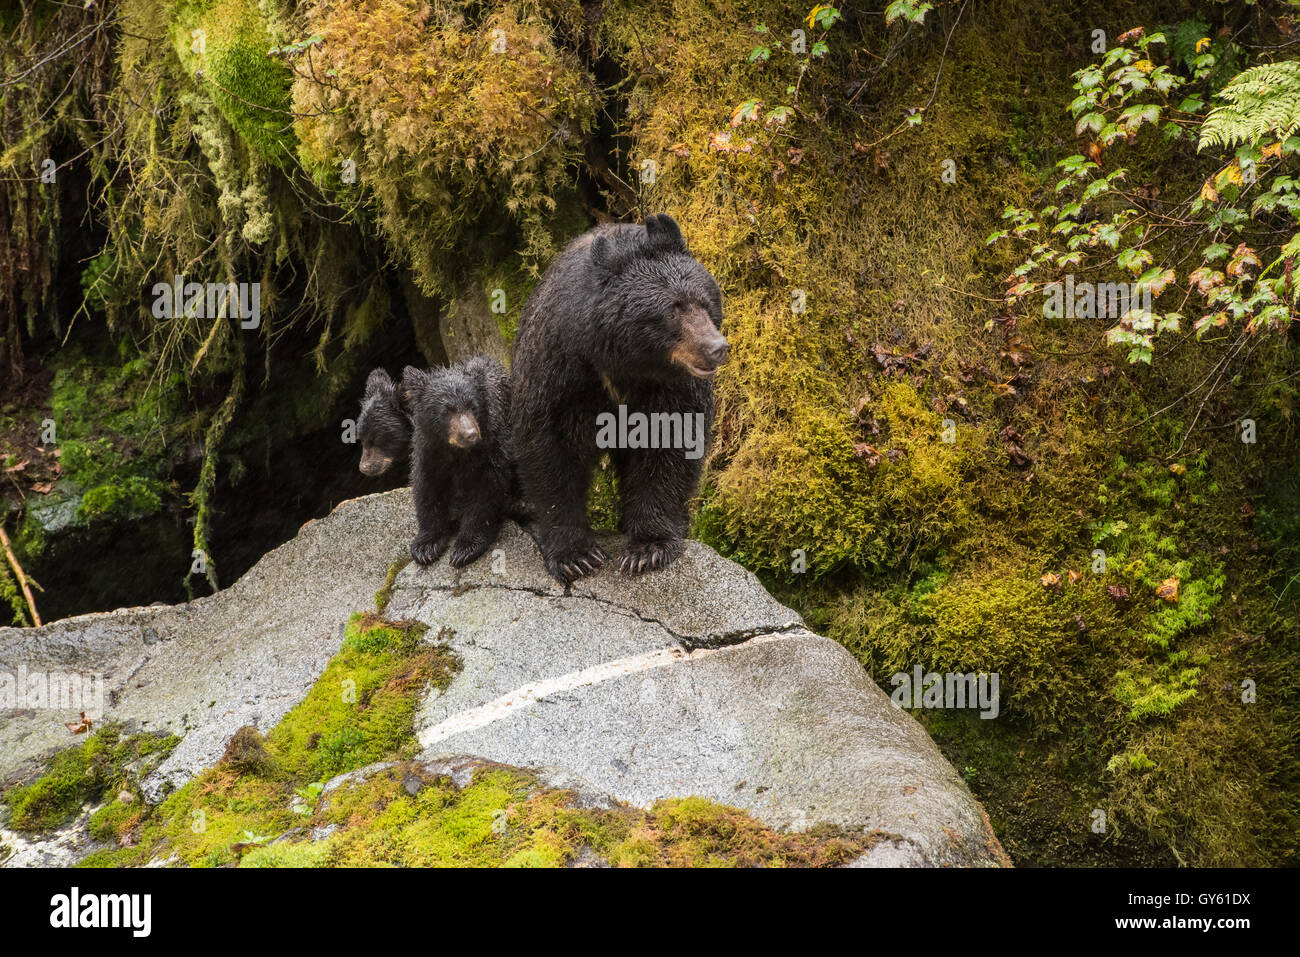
384 427
460 464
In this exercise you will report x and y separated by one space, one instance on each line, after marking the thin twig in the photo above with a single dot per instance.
22 578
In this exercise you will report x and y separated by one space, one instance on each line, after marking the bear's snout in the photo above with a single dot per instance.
464 432
702 347
373 462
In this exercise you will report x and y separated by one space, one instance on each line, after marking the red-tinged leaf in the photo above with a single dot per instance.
82 726
1242 259
1205 279
867 453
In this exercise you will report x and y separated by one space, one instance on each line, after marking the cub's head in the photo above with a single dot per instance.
447 405
384 427
669 307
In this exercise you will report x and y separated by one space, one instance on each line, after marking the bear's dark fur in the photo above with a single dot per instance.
384 427
460 466
624 316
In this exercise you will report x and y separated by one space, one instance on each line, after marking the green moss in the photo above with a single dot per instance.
105 763
808 489
360 711
132 498
385 593
115 820
225 44
504 818
604 507
361 708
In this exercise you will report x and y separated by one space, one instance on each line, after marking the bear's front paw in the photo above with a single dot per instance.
568 565
643 557
465 550
427 549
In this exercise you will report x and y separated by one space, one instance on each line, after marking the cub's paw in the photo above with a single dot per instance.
642 557
465 550
427 549
569 564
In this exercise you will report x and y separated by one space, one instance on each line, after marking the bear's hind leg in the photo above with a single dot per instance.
655 486
555 482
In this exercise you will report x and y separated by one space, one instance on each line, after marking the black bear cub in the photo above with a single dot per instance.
625 322
384 427
460 464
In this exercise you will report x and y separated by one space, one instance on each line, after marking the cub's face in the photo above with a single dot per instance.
384 427
461 428
447 406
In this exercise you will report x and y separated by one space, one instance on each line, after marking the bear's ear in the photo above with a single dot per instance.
413 380
378 380
602 254
664 233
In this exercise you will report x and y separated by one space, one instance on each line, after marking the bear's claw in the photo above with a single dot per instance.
427 550
462 553
572 564
642 557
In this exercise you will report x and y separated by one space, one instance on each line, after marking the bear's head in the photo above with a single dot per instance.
384 426
669 309
446 404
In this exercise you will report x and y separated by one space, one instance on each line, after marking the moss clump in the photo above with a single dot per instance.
105 763
362 707
450 114
111 425
116 820
812 487
385 593
246 753
603 505
404 816
132 498
360 711
225 44
695 832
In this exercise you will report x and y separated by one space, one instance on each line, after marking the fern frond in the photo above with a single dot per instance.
1263 100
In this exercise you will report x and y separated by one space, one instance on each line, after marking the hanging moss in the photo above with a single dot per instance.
224 44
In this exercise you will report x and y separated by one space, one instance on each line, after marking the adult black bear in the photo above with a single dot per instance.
384 426
626 317
460 466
